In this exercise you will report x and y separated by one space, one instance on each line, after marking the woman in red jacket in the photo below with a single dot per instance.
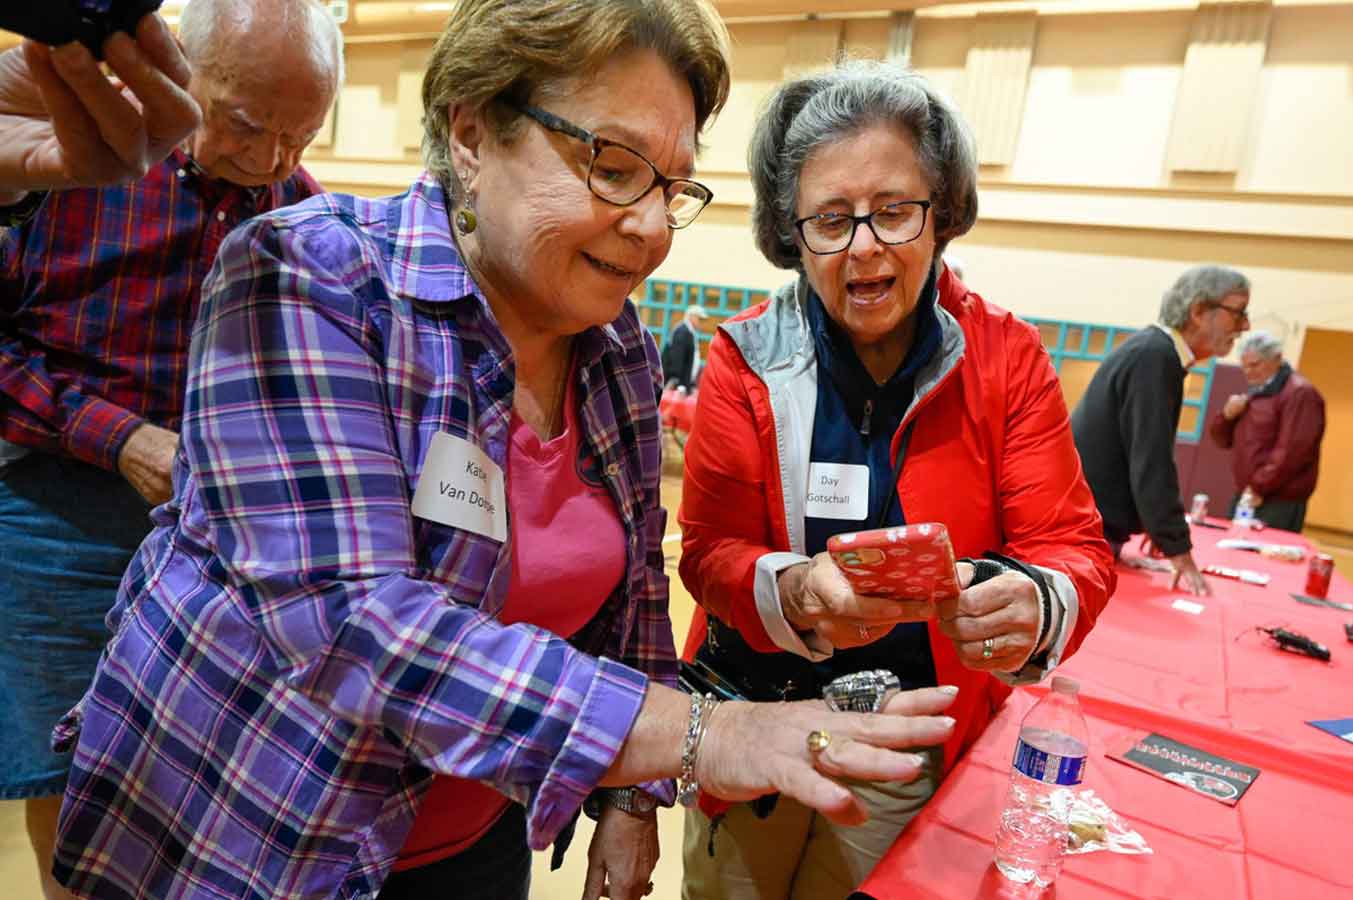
878 372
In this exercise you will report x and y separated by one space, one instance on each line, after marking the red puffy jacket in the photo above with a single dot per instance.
991 456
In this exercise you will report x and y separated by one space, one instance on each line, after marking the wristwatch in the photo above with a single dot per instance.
632 800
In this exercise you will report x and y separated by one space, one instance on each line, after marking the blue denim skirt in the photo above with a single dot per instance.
67 532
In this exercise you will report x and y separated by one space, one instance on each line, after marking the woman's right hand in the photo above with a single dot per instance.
816 596
751 749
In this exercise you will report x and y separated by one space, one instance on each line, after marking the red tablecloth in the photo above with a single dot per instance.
1208 680
677 410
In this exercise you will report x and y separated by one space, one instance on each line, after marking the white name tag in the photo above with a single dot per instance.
838 491
461 487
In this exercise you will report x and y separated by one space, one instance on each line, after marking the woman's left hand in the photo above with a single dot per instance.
993 626
622 855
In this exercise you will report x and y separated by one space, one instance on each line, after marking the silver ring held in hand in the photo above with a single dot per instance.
866 691
988 648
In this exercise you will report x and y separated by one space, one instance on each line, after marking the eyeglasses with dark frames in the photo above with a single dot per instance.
622 176
1241 315
893 223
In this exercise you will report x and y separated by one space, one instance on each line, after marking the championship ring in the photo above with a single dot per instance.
866 691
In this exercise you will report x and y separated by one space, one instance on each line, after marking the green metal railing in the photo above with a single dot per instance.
1089 342
662 302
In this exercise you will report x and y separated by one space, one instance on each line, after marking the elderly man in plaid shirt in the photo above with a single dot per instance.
98 293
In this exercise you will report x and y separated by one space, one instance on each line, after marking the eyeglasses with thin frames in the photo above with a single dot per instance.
893 223
622 176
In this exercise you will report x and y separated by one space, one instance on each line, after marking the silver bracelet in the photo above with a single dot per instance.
688 789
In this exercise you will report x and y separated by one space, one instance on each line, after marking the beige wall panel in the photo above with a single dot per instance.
409 93
1277 215
939 51
758 66
325 138
813 46
1117 276
718 249
1324 360
866 38
364 178
1101 275
1222 68
368 121
1100 99
1303 139
995 83
901 32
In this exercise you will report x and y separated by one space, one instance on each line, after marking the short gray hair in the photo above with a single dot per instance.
208 27
1262 344
809 112
1201 284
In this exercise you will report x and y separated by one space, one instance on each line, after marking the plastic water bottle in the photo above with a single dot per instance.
1244 515
1049 758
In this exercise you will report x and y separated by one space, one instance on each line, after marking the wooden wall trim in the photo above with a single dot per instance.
1217 93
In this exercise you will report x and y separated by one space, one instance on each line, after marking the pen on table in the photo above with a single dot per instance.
1317 601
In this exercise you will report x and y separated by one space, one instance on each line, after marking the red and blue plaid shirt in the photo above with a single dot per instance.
98 293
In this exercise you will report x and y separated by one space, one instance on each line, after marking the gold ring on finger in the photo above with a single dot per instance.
818 741
988 648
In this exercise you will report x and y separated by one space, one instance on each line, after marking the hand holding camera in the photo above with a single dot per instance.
65 123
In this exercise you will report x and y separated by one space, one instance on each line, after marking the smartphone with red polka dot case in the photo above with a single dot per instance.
909 562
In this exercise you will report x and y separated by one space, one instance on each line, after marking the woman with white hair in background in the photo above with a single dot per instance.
877 367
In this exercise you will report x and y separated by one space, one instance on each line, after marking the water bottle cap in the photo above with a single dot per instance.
1063 685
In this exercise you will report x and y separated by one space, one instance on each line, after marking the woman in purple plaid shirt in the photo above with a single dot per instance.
407 610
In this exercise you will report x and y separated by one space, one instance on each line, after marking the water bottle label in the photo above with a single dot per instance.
1048 768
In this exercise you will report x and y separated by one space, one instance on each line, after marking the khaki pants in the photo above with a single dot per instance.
796 853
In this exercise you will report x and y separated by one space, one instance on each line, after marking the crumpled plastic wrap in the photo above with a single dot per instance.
1092 825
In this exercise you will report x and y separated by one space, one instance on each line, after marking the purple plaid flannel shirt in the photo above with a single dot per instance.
294 653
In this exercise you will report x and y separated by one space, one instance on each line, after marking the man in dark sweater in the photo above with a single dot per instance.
1125 423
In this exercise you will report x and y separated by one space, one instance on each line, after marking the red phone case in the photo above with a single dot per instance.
910 562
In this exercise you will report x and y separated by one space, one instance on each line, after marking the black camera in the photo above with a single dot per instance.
61 21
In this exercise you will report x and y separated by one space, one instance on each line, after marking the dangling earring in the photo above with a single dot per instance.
466 221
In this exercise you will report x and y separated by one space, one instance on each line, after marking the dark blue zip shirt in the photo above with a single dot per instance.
854 424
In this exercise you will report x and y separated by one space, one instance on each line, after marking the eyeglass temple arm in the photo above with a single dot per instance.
553 122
